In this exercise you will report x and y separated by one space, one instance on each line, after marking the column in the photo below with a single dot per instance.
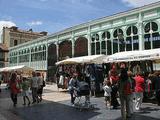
140 33
100 40
30 56
73 45
46 55
18 57
89 43
57 49
89 40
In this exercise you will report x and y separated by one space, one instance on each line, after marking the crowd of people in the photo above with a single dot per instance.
120 82
34 85
130 88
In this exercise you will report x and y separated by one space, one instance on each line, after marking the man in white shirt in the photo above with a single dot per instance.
34 87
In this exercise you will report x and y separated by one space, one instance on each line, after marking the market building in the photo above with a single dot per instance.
136 29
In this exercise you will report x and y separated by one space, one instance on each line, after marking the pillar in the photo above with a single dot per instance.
73 45
57 50
140 32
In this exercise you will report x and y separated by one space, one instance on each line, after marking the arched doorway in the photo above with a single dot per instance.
52 58
65 49
81 47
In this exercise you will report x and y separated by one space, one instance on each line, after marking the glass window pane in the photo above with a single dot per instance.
93 48
156 40
135 43
109 47
103 46
115 45
97 47
147 42
128 44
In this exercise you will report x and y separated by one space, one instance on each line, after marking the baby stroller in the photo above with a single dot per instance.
83 90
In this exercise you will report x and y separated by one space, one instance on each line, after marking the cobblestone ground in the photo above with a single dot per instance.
56 106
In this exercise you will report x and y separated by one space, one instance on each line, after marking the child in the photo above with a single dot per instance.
25 91
107 93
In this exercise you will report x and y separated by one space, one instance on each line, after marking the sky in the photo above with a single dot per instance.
56 15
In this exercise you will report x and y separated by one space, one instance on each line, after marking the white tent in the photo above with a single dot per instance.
152 54
97 59
16 68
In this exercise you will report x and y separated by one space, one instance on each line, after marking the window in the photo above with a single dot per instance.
15 42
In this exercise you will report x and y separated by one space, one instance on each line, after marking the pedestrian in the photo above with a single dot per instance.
25 91
131 91
107 93
72 87
124 92
93 85
14 88
114 78
157 88
34 87
40 86
139 89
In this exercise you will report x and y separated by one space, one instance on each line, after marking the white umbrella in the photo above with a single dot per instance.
97 59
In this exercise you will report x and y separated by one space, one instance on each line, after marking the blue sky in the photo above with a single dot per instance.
56 15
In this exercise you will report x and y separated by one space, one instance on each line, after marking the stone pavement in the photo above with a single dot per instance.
56 106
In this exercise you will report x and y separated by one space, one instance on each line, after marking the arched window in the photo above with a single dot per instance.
105 38
118 41
151 37
95 37
106 35
95 44
44 47
132 42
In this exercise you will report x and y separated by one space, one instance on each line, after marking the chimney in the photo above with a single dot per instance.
31 30
44 33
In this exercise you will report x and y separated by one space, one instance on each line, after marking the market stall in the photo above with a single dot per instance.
80 65
21 69
127 56
96 59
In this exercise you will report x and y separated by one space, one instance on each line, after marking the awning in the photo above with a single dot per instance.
126 56
16 68
97 59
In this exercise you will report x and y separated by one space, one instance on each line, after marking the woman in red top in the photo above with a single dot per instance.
139 89
14 90
113 77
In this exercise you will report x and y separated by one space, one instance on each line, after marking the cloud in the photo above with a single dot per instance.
5 24
138 3
33 23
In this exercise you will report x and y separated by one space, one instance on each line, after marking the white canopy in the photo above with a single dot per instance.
16 68
152 54
97 59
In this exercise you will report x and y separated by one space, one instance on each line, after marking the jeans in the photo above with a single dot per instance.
72 97
126 106
34 94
